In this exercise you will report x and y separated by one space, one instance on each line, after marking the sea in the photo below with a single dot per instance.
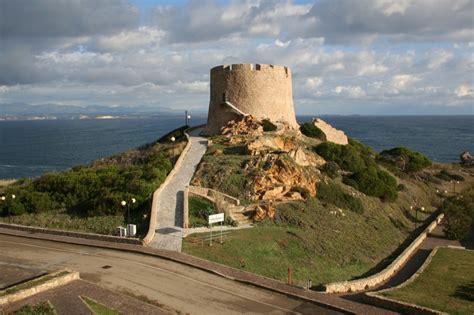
31 148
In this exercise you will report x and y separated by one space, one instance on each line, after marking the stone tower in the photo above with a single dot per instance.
263 91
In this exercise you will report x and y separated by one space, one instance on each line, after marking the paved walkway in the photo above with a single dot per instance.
169 232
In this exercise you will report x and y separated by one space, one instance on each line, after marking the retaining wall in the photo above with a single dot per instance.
376 279
47 285
154 205
209 194
91 236
375 298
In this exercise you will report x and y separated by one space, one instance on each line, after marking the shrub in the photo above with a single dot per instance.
303 191
366 176
310 130
447 176
334 194
178 134
375 182
331 169
268 125
459 215
406 160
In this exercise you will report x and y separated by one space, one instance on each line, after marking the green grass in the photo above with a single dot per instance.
43 308
31 283
61 220
98 308
199 208
446 285
316 244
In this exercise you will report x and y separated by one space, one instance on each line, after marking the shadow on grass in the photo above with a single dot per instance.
465 292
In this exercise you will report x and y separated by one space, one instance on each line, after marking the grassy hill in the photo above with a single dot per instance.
88 197
364 207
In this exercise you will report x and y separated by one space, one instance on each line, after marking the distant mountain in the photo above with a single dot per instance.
14 111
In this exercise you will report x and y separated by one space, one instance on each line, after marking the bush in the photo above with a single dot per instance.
406 160
303 191
375 182
331 169
334 194
446 176
310 130
178 134
459 215
268 125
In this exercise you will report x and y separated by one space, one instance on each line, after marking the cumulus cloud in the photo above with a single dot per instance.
343 54
363 21
57 18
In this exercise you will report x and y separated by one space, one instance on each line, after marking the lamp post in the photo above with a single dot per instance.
4 198
187 118
416 214
125 204
454 185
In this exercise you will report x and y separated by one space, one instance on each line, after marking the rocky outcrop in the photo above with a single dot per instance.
467 159
275 178
264 211
246 125
332 134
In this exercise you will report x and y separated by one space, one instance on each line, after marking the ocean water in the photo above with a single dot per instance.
32 148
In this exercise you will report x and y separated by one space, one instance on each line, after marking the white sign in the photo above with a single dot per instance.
214 218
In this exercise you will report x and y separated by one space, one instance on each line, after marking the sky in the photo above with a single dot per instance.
392 57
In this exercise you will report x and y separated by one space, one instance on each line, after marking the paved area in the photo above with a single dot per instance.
173 285
169 232
66 300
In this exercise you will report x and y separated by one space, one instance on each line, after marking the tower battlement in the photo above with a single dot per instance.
261 90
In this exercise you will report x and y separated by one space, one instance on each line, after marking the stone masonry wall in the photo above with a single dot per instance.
263 91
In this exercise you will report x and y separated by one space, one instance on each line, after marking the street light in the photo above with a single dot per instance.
4 198
416 214
454 185
187 118
124 204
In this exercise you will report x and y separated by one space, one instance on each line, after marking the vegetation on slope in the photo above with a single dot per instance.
365 175
404 159
87 194
310 130
339 235
459 214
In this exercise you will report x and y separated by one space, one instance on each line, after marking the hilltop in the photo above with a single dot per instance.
329 211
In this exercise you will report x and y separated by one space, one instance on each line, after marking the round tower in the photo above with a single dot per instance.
263 91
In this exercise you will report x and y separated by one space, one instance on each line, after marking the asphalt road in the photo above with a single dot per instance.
178 287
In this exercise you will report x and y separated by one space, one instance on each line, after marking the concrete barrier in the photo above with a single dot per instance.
55 282
91 236
154 205
376 279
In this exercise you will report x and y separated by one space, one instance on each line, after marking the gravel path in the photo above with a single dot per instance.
169 232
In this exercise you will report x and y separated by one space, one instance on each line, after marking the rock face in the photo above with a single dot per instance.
332 134
278 179
246 125
467 159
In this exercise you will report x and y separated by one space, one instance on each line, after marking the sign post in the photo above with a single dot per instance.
215 218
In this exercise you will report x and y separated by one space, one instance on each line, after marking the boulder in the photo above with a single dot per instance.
332 134
467 159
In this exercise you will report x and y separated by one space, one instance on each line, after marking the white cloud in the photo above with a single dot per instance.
464 90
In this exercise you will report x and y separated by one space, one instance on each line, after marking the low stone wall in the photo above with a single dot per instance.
91 236
376 279
211 194
375 298
47 285
207 193
154 205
